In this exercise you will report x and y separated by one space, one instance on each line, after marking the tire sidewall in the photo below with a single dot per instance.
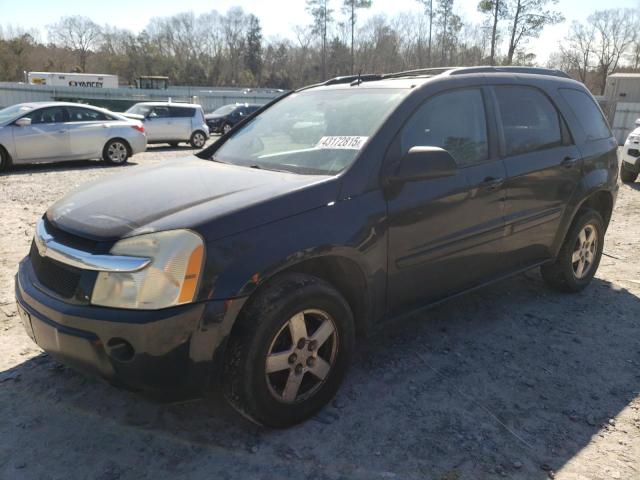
105 153
593 217
5 161
193 139
269 410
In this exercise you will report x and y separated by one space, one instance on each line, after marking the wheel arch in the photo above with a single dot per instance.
342 273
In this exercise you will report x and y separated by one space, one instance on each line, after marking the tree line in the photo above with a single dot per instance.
230 49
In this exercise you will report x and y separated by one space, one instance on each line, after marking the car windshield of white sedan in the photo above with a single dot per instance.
14 111
317 132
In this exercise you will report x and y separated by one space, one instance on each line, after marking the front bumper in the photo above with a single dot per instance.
630 156
175 349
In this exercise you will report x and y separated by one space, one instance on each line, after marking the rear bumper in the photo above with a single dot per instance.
176 349
138 144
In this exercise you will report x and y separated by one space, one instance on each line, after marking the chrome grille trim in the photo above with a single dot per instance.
48 247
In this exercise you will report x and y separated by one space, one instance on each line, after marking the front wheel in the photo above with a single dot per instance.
198 139
627 176
579 255
290 351
226 128
5 160
116 152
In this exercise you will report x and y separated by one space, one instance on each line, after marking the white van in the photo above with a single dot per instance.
172 123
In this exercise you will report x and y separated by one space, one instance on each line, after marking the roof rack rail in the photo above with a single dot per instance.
417 72
367 77
507 69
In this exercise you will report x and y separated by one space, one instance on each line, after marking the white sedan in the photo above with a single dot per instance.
42 132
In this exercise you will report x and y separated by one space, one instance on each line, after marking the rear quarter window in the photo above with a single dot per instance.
587 112
181 112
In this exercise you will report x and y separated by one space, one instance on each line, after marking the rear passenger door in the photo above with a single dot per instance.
445 234
87 132
543 170
181 118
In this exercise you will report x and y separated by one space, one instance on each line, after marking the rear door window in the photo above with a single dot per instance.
530 121
588 113
454 121
77 114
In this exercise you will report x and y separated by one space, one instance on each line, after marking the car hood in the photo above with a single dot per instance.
213 198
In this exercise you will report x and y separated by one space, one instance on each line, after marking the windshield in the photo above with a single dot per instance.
140 109
224 110
14 111
311 132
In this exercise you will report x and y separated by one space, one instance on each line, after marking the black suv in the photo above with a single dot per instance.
257 265
225 118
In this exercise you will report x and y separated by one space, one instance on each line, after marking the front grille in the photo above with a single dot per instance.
57 277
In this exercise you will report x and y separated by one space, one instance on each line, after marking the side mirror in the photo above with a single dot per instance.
23 122
637 122
424 163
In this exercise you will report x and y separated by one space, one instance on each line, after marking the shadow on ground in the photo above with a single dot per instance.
63 167
512 381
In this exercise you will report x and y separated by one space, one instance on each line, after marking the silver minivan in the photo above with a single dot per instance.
40 132
172 123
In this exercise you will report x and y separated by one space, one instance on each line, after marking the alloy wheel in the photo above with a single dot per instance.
117 152
198 140
301 356
584 252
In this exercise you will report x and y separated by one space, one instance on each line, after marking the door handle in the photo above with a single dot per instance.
569 162
491 183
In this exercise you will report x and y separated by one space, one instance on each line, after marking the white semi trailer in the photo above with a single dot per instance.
85 80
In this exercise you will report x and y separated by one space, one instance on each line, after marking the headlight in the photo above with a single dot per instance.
172 277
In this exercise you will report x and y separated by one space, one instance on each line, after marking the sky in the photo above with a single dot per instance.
277 16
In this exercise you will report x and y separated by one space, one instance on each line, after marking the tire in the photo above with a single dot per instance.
198 139
116 152
565 273
627 176
290 391
226 128
5 160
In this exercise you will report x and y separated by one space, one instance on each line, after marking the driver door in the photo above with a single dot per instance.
47 138
445 234
158 124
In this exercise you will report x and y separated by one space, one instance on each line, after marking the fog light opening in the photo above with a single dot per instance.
120 349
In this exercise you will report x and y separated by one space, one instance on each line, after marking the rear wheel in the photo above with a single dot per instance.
116 152
290 351
226 128
5 160
198 139
627 176
579 256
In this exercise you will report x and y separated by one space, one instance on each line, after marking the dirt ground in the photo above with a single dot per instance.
514 381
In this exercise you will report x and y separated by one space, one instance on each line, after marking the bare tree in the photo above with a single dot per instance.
350 8
528 18
615 31
496 10
577 50
428 8
76 33
322 17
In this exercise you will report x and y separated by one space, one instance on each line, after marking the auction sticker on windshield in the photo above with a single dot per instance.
344 142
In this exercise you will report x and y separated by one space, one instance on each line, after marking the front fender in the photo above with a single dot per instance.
352 229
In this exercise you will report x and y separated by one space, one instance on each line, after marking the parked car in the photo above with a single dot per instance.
41 132
256 265
630 156
172 123
225 118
